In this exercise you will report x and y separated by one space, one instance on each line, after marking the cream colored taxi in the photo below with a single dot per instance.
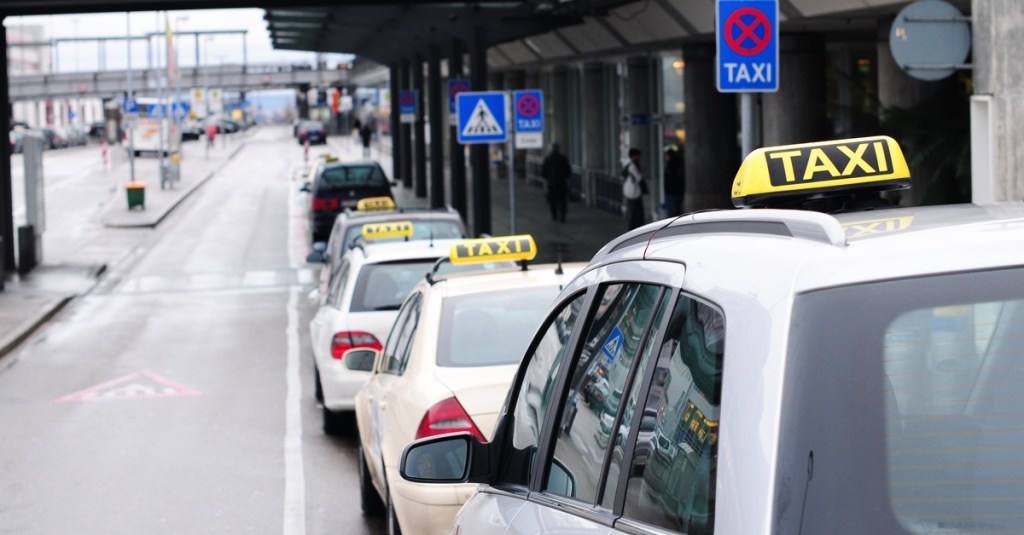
445 367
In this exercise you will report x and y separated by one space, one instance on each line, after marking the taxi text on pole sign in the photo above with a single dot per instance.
747 38
407 106
482 117
528 107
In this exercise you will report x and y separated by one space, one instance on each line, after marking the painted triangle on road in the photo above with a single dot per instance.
482 122
137 385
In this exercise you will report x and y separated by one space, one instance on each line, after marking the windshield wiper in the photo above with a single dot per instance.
388 307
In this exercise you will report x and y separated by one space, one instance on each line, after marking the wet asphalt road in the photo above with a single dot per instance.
177 396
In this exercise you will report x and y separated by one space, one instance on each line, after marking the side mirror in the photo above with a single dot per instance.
319 254
360 359
305 187
454 458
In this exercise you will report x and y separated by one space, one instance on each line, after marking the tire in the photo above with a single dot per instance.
333 422
319 387
369 499
392 519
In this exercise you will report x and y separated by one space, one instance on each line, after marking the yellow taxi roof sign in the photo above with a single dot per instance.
327 157
388 229
519 247
811 170
371 204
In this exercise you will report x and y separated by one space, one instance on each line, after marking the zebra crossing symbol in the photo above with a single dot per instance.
482 117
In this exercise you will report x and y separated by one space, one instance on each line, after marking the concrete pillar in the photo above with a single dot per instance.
640 101
597 119
557 106
406 130
479 154
458 153
436 95
419 128
6 196
797 113
302 101
396 149
999 95
712 149
515 79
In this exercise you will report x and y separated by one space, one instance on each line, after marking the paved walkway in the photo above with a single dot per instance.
29 301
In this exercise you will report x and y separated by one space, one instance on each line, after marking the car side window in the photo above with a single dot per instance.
396 362
337 285
674 465
535 393
597 388
391 344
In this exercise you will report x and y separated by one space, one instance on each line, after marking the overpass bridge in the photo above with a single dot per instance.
250 77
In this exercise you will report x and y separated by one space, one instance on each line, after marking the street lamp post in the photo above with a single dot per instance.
177 78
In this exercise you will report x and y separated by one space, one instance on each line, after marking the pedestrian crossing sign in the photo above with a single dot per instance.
482 117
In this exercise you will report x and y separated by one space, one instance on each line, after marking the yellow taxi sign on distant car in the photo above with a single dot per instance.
389 229
329 158
519 247
812 170
371 204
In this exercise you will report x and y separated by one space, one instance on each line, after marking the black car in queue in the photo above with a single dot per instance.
336 186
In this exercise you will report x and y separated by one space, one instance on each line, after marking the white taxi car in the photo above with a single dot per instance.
446 366
775 370
362 299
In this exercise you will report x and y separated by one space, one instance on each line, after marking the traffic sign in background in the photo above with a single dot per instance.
528 109
454 88
407 106
482 117
747 37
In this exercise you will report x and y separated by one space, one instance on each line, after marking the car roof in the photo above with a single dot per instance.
804 251
471 282
370 253
416 214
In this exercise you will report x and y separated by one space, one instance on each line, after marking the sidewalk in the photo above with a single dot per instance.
28 302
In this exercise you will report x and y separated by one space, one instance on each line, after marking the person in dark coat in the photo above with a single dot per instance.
556 173
674 183
365 134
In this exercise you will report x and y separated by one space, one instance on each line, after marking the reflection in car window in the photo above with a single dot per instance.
403 333
391 345
535 392
491 329
383 286
597 386
672 476
421 230
337 285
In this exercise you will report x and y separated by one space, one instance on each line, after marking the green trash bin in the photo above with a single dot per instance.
136 195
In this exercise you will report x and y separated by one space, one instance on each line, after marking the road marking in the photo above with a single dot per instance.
294 471
137 385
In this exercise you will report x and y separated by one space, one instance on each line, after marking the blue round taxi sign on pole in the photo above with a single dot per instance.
407 106
528 107
747 39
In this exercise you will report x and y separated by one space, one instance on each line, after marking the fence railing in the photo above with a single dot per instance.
596 188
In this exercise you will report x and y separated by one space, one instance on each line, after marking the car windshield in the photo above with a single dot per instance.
493 328
904 407
421 230
383 286
348 176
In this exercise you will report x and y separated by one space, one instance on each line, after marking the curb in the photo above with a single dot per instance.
30 325
184 194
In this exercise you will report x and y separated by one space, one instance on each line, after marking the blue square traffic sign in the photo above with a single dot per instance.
407 106
529 110
747 38
482 117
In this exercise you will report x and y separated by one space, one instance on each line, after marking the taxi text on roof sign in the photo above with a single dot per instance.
390 229
520 247
375 203
817 169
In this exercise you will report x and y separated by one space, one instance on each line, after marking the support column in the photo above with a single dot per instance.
712 152
458 153
596 124
797 112
559 106
419 129
436 129
302 101
479 154
406 130
396 150
640 76
6 196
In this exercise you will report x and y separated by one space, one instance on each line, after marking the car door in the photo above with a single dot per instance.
320 327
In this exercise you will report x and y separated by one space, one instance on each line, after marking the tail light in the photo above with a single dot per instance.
319 204
323 132
346 340
447 416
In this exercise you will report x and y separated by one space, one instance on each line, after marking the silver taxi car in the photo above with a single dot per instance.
771 371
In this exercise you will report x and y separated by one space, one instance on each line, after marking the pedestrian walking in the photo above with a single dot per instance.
365 134
556 172
675 182
633 189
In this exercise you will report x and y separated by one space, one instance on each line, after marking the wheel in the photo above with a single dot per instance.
319 387
369 499
332 422
392 519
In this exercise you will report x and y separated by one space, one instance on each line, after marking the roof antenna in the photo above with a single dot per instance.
558 255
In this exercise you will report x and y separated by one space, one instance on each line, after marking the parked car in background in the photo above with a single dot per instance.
312 131
335 186
98 130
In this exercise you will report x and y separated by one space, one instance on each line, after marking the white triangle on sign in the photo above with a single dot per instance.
612 347
482 122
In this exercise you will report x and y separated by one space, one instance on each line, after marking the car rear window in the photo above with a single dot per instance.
384 286
349 176
909 416
421 230
493 328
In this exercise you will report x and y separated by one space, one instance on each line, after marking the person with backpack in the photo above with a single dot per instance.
634 187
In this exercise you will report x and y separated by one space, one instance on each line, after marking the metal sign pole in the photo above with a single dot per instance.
511 186
746 123
129 99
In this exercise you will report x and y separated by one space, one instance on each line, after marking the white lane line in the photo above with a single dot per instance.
294 470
